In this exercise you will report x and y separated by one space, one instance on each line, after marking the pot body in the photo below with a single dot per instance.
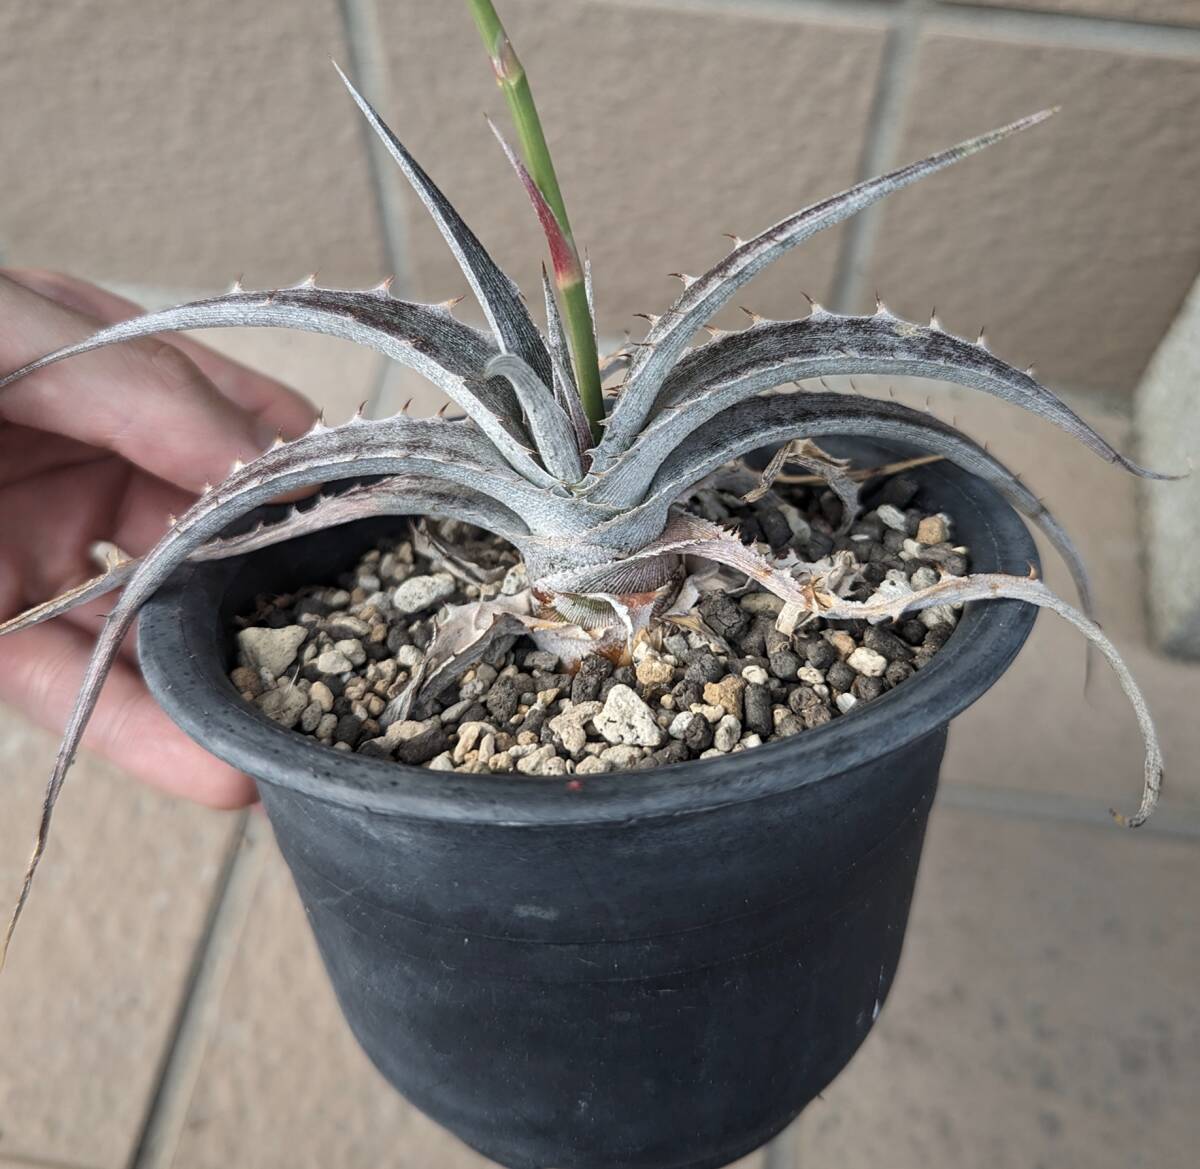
654 970
664 992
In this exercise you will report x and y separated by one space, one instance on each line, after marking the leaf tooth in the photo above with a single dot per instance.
686 280
653 318
309 281
404 409
737 239
236 466
441 410
934 323
383 288
981 341
236 287
755 318
278 440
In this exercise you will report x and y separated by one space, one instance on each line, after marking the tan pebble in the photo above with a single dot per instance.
842 642
590 765
527 739
653 671
547 696
319 693
487 747
933 529
761 603
246 679
727 694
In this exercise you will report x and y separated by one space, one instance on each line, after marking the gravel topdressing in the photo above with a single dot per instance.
326 659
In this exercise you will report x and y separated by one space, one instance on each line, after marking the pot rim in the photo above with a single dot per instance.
187 677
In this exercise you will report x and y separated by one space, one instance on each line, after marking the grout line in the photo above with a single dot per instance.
31 1161
215 953
1061 28
896 77
837 11
1176 821
368 71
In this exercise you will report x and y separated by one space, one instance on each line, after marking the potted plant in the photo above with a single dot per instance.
642 948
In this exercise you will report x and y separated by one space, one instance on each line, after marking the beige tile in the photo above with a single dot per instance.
1074 243
1154 11
272 1092
283 1082
668 128
1044 1013
1036 729
98 968
169 142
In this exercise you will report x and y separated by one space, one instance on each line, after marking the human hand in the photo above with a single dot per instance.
105 447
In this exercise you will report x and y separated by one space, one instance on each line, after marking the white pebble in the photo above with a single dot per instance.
846 702
867 661
755 675
892 517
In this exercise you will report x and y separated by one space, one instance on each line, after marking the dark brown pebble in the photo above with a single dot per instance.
724 615
698 736
757 704
423 747
840 676
819 653
704 668
775 528
899 491
865 688
913 630
591 676
502 699
897 672
784 664
886 642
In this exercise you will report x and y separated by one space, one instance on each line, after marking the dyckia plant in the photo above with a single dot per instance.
589 488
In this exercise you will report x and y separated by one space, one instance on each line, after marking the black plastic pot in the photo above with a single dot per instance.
656 971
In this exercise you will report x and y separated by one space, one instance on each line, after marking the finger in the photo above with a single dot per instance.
145 400
41 672
265 397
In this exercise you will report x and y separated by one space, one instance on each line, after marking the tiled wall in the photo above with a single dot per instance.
175 145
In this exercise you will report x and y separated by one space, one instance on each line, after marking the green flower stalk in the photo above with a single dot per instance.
542 183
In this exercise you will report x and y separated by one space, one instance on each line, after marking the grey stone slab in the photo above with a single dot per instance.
1167 420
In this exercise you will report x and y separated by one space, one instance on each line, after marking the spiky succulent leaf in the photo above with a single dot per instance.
498 296
566 393
548 422
704 296
426 338
396 495
773 353
782 417
953 590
